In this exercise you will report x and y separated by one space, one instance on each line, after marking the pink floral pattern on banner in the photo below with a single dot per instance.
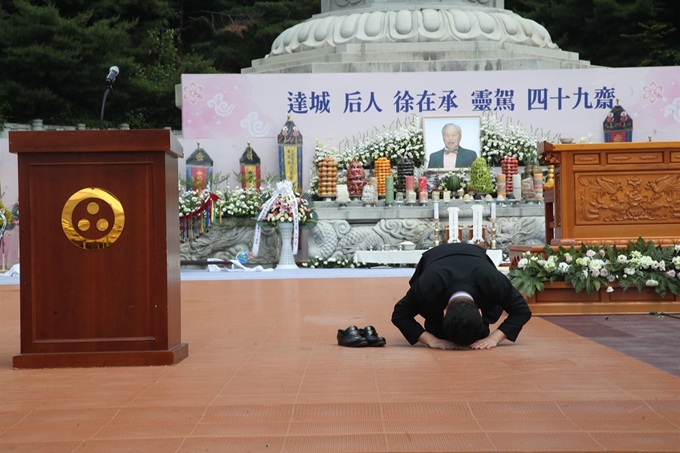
193 93
652 92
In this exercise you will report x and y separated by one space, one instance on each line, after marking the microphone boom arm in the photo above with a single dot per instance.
101 115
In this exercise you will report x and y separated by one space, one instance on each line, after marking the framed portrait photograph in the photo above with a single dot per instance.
451 142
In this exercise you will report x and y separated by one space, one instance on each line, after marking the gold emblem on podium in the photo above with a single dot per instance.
92 219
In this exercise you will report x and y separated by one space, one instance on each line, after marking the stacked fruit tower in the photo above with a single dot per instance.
405 168
509 168
328 177
356 179
382 169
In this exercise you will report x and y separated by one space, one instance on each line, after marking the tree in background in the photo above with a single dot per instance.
613 33
234 32
55 60
54 56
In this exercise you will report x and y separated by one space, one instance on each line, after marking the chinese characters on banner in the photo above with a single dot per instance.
446 102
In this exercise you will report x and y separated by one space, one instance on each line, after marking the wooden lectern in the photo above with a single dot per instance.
610 193
100 282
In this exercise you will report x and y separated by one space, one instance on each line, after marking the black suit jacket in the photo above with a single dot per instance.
464 159
446 269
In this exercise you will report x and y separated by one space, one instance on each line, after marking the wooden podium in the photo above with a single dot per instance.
610 193
100 282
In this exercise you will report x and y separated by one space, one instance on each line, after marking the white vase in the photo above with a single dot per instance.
286 258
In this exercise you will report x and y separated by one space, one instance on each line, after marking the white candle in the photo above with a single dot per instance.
493 211
453 224
517 186
436 210
477 223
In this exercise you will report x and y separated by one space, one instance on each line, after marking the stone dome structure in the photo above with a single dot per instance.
407 26
400 36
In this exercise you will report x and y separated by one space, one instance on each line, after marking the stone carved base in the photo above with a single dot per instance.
360 229
340 239
224 241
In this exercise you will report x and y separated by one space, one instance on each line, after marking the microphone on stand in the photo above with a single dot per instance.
113 73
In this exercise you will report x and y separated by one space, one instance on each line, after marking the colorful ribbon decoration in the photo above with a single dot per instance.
197 222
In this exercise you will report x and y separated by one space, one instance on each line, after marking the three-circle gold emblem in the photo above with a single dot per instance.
92 218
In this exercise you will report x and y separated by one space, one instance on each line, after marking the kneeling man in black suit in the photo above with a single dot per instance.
459 292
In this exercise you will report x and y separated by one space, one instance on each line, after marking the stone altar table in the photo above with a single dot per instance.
342 231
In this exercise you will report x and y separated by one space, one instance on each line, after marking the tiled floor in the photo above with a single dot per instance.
652 338
264 374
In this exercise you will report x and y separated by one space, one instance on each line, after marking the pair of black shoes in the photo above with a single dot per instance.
353 337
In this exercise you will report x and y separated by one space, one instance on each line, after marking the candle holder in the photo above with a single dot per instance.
493 234
436 232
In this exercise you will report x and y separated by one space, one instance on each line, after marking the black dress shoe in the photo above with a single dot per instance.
351 338
372 337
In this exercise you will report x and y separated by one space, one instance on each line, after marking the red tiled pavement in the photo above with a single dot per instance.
265 374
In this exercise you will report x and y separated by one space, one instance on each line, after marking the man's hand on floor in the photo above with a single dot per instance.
489 342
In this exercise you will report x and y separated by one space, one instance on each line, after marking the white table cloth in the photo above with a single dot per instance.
388 256
407 256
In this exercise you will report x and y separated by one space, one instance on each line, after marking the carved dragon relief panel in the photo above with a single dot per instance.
628 198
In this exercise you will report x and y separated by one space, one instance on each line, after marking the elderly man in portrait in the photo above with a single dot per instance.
452 155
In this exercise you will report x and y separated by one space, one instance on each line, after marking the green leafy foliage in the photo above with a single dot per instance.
616 33
640 264
234 32
55 55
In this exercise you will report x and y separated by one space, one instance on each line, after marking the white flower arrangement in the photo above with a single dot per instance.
331 263
282 209
241 202
638 265
501 140
191 200
405 141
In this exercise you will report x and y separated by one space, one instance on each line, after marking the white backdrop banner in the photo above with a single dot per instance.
225 111
571 102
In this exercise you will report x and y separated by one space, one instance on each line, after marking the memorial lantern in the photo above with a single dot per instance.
250 168
290 154
618 126
199 169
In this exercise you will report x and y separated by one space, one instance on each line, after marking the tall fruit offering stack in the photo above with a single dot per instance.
356 179
328 177
405 168
509 168
382 170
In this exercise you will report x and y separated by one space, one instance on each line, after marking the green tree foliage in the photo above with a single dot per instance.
614 33
235 32
49 61
55 60
54 56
